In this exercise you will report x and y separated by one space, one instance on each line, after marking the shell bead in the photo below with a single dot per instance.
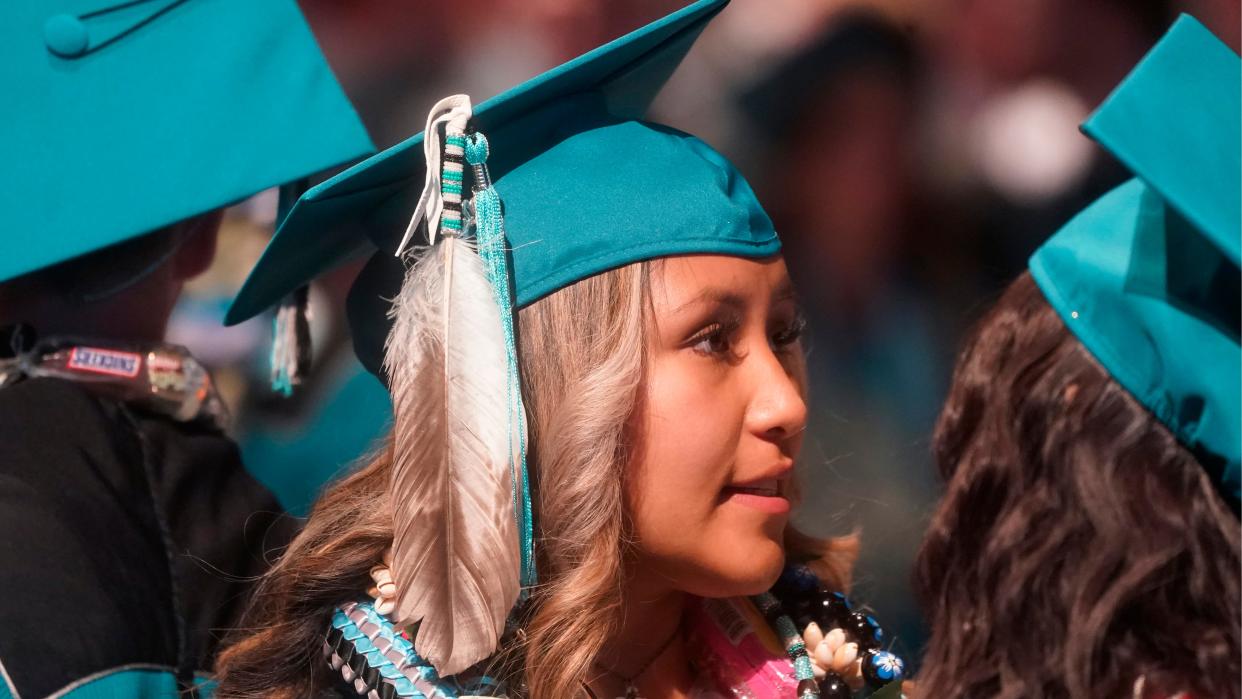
812 634
844 657
823 654
835 639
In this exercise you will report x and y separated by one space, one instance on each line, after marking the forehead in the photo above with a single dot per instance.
682 279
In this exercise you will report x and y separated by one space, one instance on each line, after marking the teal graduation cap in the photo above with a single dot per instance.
1147 277
586 184
567 181
121 118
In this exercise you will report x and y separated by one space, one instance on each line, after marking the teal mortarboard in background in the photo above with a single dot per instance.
121 118
587 186
1147 277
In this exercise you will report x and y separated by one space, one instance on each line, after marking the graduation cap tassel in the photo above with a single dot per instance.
456 557
291 342
493 249
291 339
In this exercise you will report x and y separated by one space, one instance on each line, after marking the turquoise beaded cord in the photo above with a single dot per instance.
493 249
792 641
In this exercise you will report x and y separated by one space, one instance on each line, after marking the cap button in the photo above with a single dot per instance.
65 36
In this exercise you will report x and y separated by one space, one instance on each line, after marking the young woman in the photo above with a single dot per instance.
1088 542
598 402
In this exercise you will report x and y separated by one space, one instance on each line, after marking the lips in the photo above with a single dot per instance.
764 496
769 489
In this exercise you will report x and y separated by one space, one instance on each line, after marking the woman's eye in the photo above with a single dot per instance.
790 334
713 340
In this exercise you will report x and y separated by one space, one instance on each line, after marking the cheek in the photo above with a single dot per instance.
689 435
692 427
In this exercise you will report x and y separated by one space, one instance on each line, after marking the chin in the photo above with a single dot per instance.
746 568
765 562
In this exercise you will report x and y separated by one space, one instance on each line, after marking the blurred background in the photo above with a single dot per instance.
912 155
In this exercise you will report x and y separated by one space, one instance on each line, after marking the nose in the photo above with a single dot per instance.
777 409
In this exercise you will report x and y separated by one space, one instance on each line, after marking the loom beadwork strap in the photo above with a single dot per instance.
453 112
376 660
450 182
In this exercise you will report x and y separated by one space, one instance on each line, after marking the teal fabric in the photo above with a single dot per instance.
586 185
1176 122
6 689
136 683
1147 277
296 462
122 117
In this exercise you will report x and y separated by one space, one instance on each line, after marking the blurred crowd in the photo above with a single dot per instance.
912 155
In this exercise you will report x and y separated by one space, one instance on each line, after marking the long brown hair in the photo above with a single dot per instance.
582 361
1080 550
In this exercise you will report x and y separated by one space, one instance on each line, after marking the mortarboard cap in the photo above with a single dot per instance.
1147 277
125 117
586 185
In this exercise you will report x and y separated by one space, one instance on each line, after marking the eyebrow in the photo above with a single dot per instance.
785 291
724 297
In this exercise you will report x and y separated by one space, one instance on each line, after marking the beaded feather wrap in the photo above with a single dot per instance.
462 542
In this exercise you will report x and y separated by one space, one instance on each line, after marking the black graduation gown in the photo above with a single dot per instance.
125 538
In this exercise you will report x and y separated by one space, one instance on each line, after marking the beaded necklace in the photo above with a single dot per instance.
373 656
845 657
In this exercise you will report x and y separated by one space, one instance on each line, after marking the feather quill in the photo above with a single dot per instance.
456 557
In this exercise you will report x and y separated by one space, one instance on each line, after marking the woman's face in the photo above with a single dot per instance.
719 424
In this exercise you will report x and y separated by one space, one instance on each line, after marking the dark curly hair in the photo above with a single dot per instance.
1080 550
